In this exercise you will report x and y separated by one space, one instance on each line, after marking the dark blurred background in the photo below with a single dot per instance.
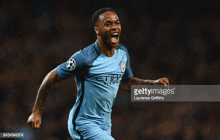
176 39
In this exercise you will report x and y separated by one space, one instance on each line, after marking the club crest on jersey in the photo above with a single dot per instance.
71 64
122 66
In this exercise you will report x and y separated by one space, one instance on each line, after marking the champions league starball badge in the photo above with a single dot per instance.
71 64
122 66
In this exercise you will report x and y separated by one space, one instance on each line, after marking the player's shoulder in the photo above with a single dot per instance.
86 54
90 49
122 48
89 53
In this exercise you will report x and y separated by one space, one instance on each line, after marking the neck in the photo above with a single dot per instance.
105 48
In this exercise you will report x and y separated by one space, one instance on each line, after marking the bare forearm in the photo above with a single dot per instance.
44 89
138 81
42 95
135 81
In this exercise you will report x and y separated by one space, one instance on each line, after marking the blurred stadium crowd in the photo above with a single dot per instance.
179 40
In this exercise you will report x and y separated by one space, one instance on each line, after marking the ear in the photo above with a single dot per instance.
96 30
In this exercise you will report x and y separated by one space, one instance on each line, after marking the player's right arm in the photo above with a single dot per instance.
74 66
35 118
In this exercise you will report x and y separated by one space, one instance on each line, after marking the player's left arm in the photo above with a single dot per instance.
128 79
126 84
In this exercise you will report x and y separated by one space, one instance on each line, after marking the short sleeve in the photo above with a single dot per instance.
76 64
128 72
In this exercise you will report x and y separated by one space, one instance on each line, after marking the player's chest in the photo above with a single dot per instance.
104 65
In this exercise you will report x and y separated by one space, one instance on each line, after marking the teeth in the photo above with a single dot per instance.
115 34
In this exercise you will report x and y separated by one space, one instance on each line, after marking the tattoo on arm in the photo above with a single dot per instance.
44 89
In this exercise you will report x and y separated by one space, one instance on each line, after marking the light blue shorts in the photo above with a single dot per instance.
91 132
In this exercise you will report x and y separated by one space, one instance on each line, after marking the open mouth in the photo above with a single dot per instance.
114 38
114 35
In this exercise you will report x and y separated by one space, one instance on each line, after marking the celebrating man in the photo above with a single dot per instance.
99 69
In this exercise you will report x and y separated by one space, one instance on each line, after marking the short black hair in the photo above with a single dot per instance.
98 13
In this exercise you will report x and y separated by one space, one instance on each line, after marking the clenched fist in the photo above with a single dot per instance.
162 81
34 120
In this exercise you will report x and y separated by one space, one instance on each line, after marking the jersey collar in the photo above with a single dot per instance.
97 47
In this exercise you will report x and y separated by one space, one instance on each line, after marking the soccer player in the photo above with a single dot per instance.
99 69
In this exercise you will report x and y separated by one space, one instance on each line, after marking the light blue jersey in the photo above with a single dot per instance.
97 77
